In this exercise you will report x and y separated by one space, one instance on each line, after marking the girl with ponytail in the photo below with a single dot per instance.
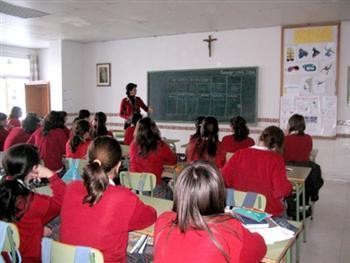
99 125
78 144
207 146
98 214
18 204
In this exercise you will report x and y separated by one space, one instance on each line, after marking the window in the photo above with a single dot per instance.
14 73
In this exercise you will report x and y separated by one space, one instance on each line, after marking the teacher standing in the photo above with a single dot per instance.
131 104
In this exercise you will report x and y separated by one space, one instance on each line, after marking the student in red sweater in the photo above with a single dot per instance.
3 131
198 230
63 120
21 134
297 149
78 144
198 125
98 214
51 141
99 125
13 120
18 204
148 153
239 139
261 169
129 132
207 147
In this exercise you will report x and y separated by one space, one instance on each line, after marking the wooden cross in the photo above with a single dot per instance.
209 40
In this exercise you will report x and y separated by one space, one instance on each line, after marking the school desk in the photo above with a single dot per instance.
297 175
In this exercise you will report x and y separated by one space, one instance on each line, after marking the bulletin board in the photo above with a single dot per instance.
309 73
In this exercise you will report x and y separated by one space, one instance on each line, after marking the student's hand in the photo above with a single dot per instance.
47 232
42 172
150 109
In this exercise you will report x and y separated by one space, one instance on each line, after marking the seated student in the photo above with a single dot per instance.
83 115
198 230
297 149
78 144
18 204
51 141
239 139
148 153
129 132
21 134
261 169
63 120
207 147
3 131
198 125
99 125
13 120
98 214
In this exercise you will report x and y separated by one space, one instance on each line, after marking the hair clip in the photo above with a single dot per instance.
97 161
9 178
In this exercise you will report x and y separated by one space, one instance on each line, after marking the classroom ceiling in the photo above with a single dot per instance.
103 20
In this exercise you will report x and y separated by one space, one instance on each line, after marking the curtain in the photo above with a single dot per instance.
34 67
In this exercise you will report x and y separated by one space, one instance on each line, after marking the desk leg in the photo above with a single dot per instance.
297 249
304 213
289 256
298 205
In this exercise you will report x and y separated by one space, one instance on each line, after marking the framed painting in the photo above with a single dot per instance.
103 74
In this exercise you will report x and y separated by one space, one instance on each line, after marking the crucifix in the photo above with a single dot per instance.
209 40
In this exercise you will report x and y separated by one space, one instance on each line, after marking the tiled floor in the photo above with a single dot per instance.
328 236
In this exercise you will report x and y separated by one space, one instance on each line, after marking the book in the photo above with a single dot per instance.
283 222
251 223
255 214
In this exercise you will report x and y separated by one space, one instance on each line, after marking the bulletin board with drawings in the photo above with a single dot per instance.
309 77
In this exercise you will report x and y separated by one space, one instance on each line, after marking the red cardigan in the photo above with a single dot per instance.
126 110
297 147
51 147
153 162
260 171
220 157
196 246
105 225
230 145
80 152
41 211
14 123
3 135
129 135
17 135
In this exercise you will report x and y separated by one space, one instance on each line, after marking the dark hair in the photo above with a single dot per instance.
199 200
198 125
15 113
296 123
136 117
52 121
84 114
206 145
240 129
3 116
30 123
129 87
273 138
103 155
18 161
147 136
100 128
80 128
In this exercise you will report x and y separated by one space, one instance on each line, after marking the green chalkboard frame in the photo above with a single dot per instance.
183 95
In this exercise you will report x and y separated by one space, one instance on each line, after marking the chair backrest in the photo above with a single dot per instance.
229 155
59 252
141 182
313 155
248 199
10 240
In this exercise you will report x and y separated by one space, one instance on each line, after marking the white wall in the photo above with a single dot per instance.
132 59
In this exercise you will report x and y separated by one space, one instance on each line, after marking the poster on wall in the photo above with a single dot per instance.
309 77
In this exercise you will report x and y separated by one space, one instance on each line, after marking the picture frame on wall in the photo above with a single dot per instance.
103 74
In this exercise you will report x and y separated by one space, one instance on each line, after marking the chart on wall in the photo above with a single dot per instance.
309 77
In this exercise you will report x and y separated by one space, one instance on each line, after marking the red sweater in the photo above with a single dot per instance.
80 152
17 135
126 109
51 147
297 147
153 162
14 123
105 225
196 246
230 145
260 171
41 211
3 135
129 135
191 155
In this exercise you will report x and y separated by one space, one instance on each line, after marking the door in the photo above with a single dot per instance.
37 96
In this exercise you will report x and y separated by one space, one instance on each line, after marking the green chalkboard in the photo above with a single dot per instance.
183 95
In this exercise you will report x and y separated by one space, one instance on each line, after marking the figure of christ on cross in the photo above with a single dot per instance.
209 40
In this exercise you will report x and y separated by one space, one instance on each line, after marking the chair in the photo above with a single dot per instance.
57 252
313 155
139 182
9 240
248 199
